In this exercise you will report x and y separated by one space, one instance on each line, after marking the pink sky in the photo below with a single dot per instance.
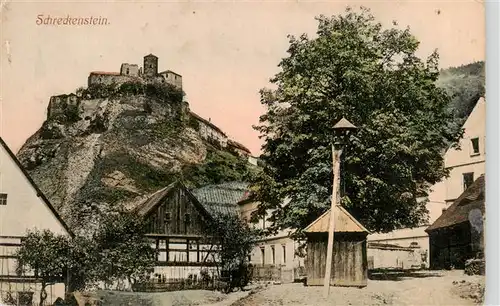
225 51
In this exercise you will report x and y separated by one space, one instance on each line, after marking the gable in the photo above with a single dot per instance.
474 127
27 207
173 210
344 222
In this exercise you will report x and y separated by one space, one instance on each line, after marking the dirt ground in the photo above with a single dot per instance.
420 288
174 298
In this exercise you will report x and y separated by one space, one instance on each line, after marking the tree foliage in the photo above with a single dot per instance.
237 240
465 85
355 69
218 167
46 255
124 250
118 250
162 91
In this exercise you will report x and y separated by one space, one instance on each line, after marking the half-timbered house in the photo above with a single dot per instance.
181 225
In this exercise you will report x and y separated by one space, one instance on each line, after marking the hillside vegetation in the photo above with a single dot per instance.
118 145
464 84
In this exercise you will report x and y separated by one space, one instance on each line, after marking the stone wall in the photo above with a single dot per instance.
130 69
61 104
108 79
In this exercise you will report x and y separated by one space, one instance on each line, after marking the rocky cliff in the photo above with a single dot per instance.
109 147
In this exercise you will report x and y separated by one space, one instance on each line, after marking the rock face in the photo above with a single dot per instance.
104 152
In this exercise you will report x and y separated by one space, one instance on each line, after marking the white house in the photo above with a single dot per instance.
22 207
465 164
276 251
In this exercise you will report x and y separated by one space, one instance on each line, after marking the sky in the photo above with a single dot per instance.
225 51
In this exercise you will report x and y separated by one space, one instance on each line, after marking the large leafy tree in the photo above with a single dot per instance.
355 69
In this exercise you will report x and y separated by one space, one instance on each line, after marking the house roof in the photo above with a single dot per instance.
169 71
345 222
386 246
458 212
344 124
205 121
399 234
145 207
222 198
65 95
238 145
37 189
156 198
104 73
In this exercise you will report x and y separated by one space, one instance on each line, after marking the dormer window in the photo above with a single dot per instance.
475 146
3 199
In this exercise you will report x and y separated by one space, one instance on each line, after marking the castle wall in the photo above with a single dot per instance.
209 133
59 104
129 69
172 78
108 79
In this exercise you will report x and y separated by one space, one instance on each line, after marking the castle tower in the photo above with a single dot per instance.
150 65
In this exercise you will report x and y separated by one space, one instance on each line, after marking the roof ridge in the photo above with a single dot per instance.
457 207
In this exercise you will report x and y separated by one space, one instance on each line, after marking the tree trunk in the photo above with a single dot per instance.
43 293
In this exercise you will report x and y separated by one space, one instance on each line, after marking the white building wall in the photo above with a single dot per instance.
277 241
24 211
465 159
207 132
442 194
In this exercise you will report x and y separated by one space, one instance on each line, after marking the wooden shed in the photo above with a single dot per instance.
350 264
458 234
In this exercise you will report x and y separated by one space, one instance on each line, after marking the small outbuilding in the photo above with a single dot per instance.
458 234
350 264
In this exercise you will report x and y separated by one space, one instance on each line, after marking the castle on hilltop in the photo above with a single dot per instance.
70 105
130 72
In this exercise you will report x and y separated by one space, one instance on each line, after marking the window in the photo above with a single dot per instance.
3 199
263 255
128 70
284 253
187 218
273 254
167 217
475 146
468 179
